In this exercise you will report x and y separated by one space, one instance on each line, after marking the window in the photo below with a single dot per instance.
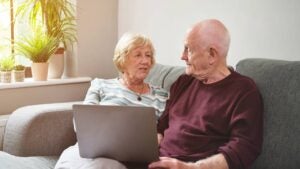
5 25
10 29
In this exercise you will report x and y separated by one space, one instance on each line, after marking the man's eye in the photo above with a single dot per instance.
190 51
186 49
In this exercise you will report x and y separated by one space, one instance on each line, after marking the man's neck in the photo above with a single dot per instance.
217 75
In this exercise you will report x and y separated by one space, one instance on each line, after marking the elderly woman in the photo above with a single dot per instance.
133 57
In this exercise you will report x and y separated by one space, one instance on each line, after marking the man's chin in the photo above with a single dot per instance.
188 71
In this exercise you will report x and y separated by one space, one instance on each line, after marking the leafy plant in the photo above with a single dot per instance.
56 16
7 64
19 67
37 47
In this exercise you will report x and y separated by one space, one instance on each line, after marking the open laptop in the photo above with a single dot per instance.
123 133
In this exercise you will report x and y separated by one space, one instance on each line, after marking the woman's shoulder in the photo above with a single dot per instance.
100 81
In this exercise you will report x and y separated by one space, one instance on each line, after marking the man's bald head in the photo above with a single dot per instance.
213 34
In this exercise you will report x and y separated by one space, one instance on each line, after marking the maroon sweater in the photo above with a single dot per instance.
205 119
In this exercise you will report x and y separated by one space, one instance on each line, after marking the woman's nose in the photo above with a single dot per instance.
145 60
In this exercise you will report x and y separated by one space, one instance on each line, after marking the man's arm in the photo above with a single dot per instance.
217 161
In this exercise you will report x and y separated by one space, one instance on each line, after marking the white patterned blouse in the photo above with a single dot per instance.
112 92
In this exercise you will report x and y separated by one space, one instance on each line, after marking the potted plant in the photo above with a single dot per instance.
19 73
38 47
6 67
57 17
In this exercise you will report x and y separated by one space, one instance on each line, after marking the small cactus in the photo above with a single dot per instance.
19 67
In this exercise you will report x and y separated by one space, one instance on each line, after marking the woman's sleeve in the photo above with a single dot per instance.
93 93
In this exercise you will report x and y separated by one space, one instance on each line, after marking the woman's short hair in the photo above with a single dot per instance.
126 44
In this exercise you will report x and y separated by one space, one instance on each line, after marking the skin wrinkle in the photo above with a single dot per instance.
205 51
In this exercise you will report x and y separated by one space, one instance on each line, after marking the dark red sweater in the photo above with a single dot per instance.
205 119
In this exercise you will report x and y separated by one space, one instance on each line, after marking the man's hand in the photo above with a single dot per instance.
217 161
171 163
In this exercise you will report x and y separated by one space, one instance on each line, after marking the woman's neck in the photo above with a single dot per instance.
137 86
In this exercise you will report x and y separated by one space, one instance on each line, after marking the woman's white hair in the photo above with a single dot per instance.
126 44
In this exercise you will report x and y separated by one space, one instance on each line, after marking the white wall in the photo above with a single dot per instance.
259 28
97 36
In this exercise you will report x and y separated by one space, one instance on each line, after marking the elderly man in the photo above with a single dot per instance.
213 119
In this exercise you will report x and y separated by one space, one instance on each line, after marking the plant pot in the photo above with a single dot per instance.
56 66
19 75
5 76
39 71
70 62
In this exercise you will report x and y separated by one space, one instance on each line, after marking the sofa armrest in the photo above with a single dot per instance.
40 130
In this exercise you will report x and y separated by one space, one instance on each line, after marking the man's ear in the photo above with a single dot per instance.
212 55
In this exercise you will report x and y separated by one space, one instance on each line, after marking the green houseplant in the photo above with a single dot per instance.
19 67
38 47
57 17
6 67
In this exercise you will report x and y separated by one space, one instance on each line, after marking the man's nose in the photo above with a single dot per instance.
184 55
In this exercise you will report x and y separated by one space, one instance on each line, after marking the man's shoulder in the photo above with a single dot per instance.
182 82
247 82
184 78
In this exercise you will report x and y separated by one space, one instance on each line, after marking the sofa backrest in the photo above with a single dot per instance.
164 76
279 84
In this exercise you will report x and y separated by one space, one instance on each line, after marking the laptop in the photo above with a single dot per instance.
123 133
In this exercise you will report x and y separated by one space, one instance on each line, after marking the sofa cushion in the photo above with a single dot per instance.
279 84
164 76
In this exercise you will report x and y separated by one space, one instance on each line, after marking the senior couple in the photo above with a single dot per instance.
210 119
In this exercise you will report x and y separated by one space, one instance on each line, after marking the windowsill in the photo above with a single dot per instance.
30 83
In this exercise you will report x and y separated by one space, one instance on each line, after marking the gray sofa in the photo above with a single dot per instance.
36 135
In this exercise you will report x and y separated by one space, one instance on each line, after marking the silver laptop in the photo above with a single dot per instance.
123 133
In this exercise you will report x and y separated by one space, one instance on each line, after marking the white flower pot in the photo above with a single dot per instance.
19 75
5 76
56 66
